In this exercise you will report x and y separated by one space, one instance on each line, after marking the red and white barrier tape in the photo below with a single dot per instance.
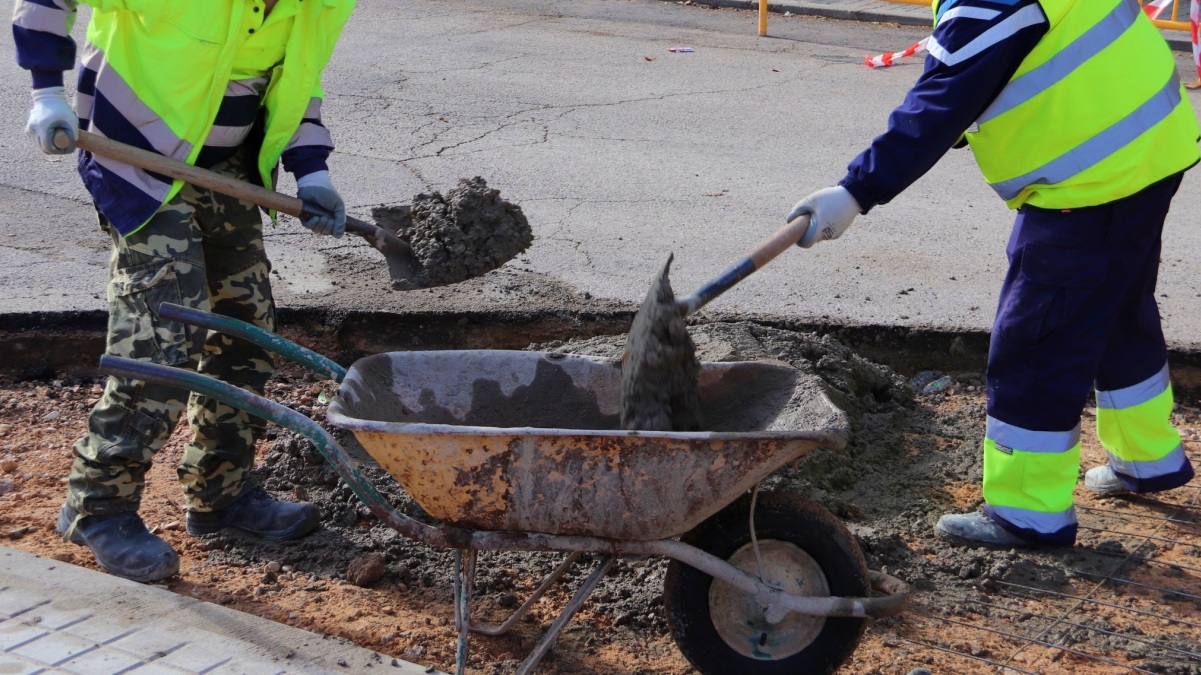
1156 7
888 58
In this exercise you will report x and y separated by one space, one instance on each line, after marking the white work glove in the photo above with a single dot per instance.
50 113
318 193
831 211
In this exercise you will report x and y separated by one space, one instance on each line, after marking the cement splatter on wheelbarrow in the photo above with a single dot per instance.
469 232
659 369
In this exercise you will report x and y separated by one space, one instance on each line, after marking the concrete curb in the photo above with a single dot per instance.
890 12
884 14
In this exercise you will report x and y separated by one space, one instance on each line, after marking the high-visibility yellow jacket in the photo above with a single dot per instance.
155 73
1093 114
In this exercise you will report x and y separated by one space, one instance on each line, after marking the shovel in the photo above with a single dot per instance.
659 390
759 256
402 266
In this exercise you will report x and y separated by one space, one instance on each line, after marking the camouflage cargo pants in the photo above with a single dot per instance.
201 250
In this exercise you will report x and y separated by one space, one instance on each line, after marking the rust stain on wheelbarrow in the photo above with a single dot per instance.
531 442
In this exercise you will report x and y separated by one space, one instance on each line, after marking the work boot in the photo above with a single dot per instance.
121 543
259 514
977 528
1103 481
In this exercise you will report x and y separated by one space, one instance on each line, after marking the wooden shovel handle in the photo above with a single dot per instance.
152 161
755 259
779 242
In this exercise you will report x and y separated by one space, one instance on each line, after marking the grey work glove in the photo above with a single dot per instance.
831 211
318 193
50 113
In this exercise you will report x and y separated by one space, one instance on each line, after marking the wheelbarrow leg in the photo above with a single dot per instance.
569 611
496 631
464 586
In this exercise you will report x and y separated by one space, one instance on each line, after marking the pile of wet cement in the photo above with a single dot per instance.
469 232
660 373
887 486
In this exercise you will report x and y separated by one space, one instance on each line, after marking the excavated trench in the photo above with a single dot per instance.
1121 599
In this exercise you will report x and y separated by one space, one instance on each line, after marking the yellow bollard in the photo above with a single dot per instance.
762 18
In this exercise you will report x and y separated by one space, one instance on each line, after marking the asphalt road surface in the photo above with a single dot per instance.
619 151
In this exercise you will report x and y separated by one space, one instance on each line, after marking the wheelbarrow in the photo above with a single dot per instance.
522 451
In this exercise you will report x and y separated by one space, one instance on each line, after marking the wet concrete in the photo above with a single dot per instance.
659 369
468 233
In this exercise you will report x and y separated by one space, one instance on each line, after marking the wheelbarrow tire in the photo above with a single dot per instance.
780 520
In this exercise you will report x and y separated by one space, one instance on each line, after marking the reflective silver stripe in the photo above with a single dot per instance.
1097 148
1030 15
58 21
1128 397
1017 438
1083 48
92 56
968 13
83 105
308 134
117 92
143 181
231 137
1169 464
253 86
313 111
226 137
1037 521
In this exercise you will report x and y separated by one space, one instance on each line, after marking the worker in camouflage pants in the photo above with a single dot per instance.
233 86
202 250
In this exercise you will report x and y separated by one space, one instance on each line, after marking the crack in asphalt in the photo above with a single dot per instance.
564 110
44 193
461 69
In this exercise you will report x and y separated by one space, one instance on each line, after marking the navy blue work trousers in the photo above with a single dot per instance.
1077 308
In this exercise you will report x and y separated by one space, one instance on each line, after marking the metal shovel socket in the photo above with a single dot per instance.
402 265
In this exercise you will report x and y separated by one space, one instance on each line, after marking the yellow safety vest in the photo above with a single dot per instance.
1093 114
169 61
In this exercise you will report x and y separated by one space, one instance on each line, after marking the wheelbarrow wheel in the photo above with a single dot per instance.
805 550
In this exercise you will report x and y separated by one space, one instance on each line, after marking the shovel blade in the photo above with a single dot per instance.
660 389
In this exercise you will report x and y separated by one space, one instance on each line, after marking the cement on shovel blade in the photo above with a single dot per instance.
660 389
468 233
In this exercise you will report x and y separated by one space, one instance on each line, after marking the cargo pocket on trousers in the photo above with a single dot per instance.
1050 285
135 328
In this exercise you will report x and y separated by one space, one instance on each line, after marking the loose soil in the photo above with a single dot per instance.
1125 597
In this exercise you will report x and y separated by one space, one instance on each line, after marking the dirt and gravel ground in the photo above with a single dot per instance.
1126 598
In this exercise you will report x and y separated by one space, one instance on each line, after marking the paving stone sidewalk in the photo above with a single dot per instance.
59 618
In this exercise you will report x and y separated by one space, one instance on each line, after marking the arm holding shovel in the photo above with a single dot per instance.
305 158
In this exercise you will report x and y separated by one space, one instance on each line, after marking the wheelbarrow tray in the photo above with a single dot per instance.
527 441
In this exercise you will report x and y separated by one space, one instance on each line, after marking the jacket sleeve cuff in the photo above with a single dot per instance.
859 191
46 78
304 160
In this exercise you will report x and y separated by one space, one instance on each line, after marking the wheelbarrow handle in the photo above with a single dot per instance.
347 467
251 333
